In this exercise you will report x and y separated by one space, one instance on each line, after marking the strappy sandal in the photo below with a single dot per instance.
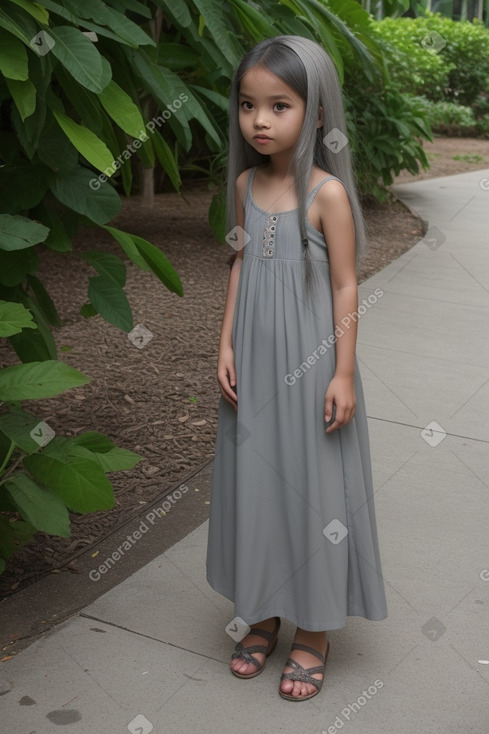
304 675
244 653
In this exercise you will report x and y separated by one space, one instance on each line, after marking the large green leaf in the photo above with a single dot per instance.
58 238
123 27
148 257
94 446
44 301
13 318
178 11
13 535
39 505
85 103
13 57
256 20
167 159
110 301
24 96
107 264
177 57
19 24
83 192
217 216
109 456
24 429
81 483
63 12
18 233
22 186
86 142
218 99
127 30
211 55
117 459
29 131
38 13
54 148
211 12
38 345
94 441
161 83
125 241
15 265
137 7
122 109
159 264
80 57
32 130
355 44
38 380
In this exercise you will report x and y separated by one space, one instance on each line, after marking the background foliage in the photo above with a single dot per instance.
457 74
94 97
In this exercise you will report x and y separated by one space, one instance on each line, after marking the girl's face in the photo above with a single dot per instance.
271 113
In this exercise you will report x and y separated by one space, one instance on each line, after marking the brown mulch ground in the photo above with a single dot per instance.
161 401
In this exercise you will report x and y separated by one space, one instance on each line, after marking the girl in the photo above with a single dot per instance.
292 530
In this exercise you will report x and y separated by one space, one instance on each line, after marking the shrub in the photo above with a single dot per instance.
411 67
387 128
457 71
448 118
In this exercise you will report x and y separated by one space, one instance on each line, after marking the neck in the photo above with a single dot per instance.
280 165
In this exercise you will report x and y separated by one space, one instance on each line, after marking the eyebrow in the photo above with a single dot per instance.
273 96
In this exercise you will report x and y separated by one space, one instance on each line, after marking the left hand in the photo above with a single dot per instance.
341 392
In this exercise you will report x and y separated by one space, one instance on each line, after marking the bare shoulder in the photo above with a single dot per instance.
332 193
331 205
242 183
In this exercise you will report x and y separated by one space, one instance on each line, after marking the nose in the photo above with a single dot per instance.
261 119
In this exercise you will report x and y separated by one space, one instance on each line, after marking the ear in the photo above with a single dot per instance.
320 118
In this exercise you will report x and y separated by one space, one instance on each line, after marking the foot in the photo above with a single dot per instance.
318 641
241 666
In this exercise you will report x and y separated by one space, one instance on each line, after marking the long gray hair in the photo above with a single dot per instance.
309 71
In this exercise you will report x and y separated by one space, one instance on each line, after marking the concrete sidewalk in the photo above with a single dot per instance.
152 653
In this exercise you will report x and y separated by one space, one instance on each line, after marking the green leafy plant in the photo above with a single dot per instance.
388 128
42 476
469 158
64 118
452 67
411 66
449 118
93 97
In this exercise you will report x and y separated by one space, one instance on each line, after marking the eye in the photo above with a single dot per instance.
282 106
243 105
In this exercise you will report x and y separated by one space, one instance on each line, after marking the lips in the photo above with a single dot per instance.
261 137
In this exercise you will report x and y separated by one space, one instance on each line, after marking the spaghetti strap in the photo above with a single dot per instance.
250 182
312 195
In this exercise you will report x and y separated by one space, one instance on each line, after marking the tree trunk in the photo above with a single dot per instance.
147 186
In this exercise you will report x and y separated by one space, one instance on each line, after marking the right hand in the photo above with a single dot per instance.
226 375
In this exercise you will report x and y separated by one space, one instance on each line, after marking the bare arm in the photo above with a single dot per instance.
339 233
226 373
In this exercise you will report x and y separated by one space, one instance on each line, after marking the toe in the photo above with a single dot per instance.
286 686
297 689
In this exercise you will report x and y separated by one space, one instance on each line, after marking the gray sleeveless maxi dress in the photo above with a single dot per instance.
292 530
